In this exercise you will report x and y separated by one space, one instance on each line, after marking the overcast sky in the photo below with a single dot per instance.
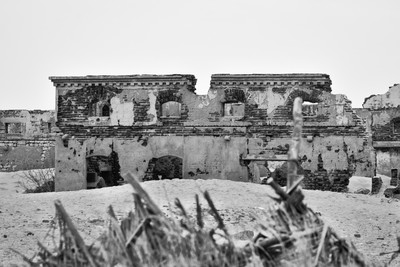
356 42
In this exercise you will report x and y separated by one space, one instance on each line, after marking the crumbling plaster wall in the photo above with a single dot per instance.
129 105
390 99
203 157
210 143
273 104
386 160
35 123
70 165
382 114
215 157
328 161
32 147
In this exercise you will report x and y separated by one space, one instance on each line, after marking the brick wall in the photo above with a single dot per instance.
267 114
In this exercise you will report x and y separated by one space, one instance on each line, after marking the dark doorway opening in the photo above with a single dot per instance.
167 167
105 111
103 171
394 177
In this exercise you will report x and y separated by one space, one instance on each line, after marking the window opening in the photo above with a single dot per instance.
167 167
105 111
171 109
309 109
234 109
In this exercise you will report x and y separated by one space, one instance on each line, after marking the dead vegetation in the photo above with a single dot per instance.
37 181
293 236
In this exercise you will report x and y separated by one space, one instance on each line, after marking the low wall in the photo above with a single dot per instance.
16 155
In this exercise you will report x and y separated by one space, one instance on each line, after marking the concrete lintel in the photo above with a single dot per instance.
385 144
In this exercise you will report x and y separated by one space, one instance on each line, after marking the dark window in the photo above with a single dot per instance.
105 111
234 109
394 178
396 126
13 128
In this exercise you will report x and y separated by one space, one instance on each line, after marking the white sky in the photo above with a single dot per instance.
356 42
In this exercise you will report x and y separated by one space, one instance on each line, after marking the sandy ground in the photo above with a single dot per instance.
371 222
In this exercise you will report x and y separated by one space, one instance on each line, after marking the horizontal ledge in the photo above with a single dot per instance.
385 144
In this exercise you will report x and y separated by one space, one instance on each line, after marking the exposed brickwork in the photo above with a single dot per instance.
75 106
141 108
267 120
336 181
234 95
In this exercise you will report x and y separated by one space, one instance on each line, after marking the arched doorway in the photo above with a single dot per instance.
105 167
166 167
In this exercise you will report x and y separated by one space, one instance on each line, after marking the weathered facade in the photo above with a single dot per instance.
26 140
382 114
156 127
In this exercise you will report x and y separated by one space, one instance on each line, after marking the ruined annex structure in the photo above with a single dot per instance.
157 127
26 140
382 114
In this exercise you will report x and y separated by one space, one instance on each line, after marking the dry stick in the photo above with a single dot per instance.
115 225
78 239
278 189
25 258
143 194
199 217
137 233
215 213
321 244
266 243
294 186
295 147
179 205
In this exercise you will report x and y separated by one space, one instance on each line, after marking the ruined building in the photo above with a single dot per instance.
382 114
157 127
26 140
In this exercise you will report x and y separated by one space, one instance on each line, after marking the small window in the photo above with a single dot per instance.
310 109
13 128
396 125
105 111
49 127
234 109
171 109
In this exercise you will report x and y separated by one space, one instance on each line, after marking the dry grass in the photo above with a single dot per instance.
292 235
37 181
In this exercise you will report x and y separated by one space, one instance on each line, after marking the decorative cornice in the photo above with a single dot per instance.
271 79
124 80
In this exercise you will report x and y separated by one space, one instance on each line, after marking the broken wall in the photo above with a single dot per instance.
390 99
203 157
382 114
145 117
26 139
